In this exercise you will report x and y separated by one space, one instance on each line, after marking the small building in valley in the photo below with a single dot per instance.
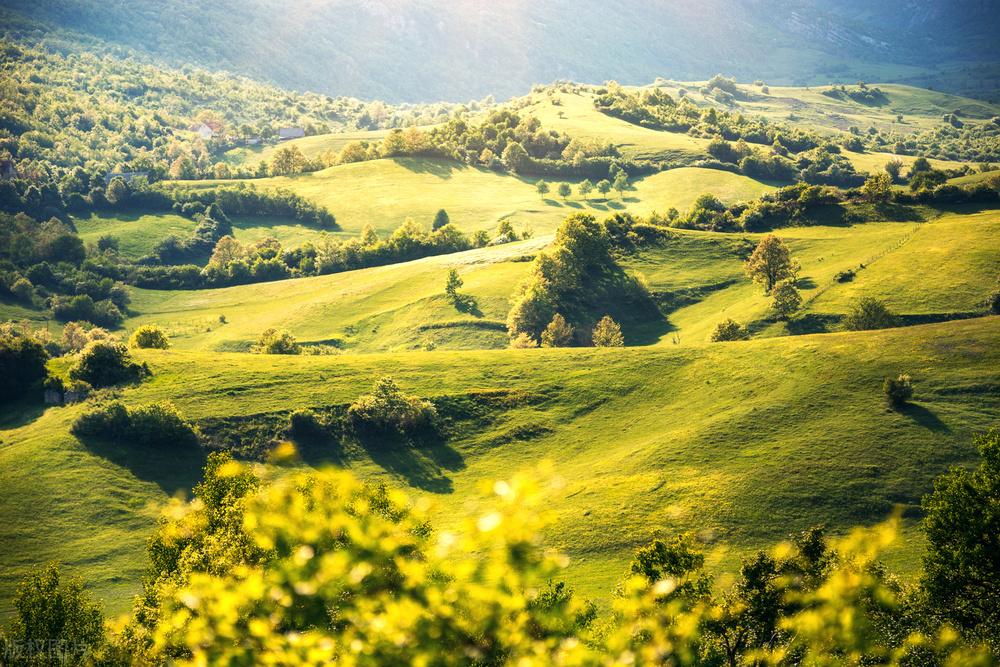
286 133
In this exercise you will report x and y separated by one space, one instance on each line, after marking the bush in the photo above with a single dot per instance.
845 276
22 365
869 313
149 336
729 330
558 333
523 341
305 423
607 333
898 391
388 409
104 363
155 424
273 341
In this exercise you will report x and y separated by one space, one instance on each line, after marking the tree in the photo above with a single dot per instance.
558 333
523 341
869 313
104 363
586 188
786 299
607 333
729 330
894 168
877 188
542 187
393 144
919 165
677 561
117 192
23 290
564 190
440 219
770 262
369 236
56 622
388 409
22 365
620 183
453 284
227 249
962 565
149 336
514 157
898 391
273 341
288 160
604 187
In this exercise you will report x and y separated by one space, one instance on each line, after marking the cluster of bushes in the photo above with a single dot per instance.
22 365
578 277
295 569
155 425
861 93
656 109
107 362
389 410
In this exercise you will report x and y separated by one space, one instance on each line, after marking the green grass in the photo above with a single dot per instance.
137 234
312 147
399 306
476 198
742 442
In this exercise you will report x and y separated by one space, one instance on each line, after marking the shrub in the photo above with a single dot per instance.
898 391
388 409
155 424
149 336
845 276
558 333
729 330
305 423
273 341
23 290
22 365
523 341
104 363
869 313
607 333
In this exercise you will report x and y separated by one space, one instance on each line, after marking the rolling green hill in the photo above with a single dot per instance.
743 441
476 198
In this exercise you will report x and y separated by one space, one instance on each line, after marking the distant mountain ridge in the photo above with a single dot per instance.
422 50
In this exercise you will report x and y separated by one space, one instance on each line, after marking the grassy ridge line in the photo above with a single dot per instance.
743 441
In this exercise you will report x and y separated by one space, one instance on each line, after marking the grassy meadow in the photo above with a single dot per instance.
640 441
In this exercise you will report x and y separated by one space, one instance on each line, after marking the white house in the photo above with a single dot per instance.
203 131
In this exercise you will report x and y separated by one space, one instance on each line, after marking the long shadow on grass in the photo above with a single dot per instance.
924 417
173 469
20 413
423 463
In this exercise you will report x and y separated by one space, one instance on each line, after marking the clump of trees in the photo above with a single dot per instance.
387 409
869 313
155 425
275 341
105 363
22 365
607 333
149 336
729 330
577 275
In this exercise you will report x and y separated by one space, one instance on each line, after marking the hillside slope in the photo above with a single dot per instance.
742 442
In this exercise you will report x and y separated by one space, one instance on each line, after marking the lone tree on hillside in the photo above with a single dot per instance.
453 284
564 190
621 183
898 391
786 299
604 187
770 263
440 219
586 188
542 187
558 333
607 333
878 188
